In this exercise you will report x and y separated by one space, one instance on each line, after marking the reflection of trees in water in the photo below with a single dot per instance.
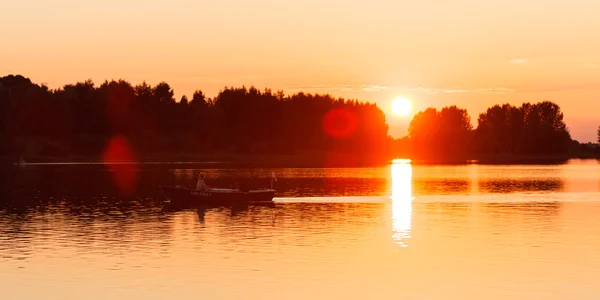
520 185
103 226
80 183
453 207
440 186
95 182
314 187
82 203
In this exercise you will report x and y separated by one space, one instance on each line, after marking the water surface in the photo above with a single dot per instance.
401 231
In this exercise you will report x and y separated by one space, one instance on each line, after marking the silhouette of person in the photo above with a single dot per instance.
201 185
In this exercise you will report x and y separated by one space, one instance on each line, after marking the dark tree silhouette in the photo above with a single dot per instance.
440 134
531 129
81 119
184 101
499 128
598 134
544 129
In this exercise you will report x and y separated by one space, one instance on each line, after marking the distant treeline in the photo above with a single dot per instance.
504 132
80 120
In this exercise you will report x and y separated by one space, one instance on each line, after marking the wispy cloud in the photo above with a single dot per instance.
342 87
381 88
563 88
427 90
518 61
455 91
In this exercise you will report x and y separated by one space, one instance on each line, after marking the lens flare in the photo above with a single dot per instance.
122 162
340 123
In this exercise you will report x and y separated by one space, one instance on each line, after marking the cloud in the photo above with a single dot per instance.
342 87
563 88
429 90
380 88
518 61
455 91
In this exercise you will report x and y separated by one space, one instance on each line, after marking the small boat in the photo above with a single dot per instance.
21 162
182 197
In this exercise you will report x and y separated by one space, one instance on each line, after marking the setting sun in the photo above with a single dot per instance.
401 106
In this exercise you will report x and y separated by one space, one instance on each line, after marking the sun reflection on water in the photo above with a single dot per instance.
401 201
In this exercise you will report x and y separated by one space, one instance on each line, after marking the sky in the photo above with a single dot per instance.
469 53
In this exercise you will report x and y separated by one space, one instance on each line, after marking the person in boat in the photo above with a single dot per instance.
201 185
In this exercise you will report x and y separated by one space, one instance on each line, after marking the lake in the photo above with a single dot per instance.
88 231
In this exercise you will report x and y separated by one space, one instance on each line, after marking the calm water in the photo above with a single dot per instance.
402 231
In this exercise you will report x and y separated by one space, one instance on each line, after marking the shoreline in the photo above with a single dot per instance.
297 160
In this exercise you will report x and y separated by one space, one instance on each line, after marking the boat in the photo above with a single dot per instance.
21 162
183 197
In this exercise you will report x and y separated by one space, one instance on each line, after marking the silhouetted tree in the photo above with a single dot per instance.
544 129
441 134
531 129
184 100
423 131
163 93
82 118
598 134
499 129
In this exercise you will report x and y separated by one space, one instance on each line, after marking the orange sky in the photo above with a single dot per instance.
466 52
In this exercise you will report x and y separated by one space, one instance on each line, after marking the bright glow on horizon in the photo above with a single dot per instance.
401 106
401 161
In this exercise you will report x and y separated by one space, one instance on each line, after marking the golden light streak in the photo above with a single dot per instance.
401 201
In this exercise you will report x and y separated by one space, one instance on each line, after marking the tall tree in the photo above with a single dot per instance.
499 129
544 130
440 134
530 129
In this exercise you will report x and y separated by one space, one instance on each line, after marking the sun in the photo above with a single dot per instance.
401 106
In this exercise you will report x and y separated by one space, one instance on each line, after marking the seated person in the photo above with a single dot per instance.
201 185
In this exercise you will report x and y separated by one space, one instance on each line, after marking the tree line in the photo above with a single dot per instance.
81 119
530 130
